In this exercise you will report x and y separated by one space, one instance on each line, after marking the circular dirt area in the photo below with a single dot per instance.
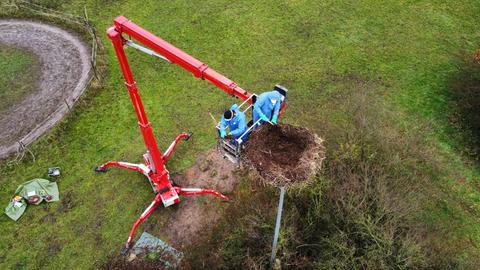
284 155
64 74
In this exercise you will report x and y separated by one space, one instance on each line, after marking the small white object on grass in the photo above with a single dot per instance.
54 171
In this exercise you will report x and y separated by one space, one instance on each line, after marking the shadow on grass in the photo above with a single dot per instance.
464 109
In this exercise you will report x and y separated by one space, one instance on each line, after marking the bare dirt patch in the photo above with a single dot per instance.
124 263
284 155
195 214
65 72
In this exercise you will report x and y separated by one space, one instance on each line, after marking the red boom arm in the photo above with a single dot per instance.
177 56
154 166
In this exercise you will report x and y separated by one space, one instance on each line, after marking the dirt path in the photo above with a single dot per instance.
65 72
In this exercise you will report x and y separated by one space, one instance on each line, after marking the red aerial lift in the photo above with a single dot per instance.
154 167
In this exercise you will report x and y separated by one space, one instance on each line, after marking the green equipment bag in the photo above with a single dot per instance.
34 192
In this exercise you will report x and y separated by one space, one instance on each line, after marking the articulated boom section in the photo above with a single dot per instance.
179 57
166 192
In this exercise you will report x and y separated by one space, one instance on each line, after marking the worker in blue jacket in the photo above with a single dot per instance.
267 107
236 122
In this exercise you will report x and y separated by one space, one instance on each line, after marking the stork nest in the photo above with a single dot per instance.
284 155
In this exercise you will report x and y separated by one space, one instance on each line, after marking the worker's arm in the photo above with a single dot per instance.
256 108
223 127
242 127
276 109
258 105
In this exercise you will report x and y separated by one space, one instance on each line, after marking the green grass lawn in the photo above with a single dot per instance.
19 74
394 60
